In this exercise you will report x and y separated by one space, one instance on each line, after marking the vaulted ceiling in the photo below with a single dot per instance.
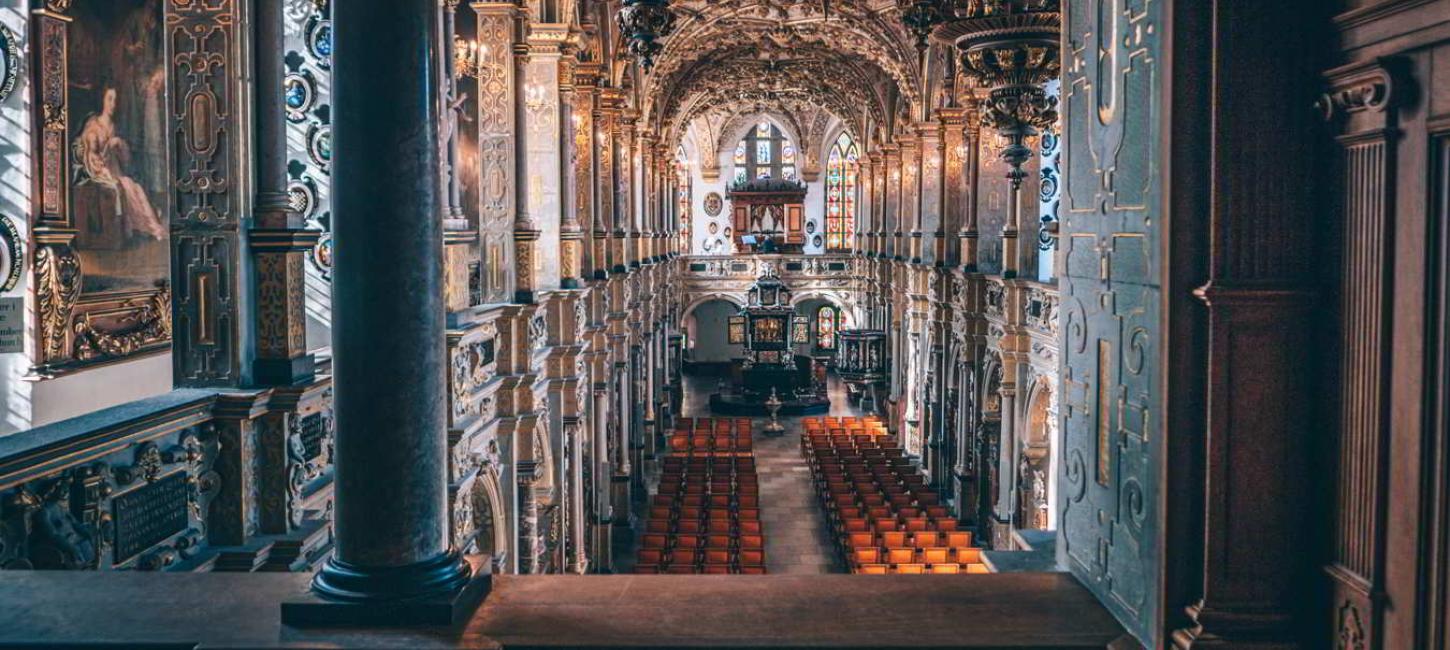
851 58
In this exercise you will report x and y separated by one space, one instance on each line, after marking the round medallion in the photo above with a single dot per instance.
714 227
303 197
713 204
300 93
817 241
319 145
727 231
9 61
810 226
12 255
322 256
319 41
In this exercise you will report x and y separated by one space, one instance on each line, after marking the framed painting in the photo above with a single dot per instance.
737 330
102 227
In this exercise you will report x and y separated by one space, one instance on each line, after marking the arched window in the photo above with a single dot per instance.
828 322
765 153
842 173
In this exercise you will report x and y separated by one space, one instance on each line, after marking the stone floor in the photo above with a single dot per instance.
797 541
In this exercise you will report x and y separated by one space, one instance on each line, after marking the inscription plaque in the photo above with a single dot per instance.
313 429
148 515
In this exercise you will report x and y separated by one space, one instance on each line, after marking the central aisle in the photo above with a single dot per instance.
797 541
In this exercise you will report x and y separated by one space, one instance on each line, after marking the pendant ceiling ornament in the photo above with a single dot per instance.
644 23
1011 48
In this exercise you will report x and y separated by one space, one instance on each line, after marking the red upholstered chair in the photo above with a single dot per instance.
718 541
689 526
657 526
752 542
856 525
660 512
718 556
751 528
719 501
689 541
751 514
717 569
752 557
719 527
654 541
882 526
946 524
937 512
749 501
651 556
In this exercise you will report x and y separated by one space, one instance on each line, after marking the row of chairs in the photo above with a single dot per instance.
833 422
705 517
707 425
886 518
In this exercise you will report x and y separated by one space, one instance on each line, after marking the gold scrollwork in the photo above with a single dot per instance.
58 280
152 324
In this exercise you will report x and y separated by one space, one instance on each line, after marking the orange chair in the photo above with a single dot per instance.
910 568
864 556
978 568
934 556
893 538
946 568
945 525
657 526
959 538
969 555
717 556
900 555
720 541
689 541
874 569
861 540
651 556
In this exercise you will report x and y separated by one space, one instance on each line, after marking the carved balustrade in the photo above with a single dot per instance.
193 480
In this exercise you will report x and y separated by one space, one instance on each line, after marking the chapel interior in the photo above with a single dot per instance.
725 324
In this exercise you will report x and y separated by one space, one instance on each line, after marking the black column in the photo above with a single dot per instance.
391 520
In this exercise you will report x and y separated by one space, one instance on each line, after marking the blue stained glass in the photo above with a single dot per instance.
324 40
295 95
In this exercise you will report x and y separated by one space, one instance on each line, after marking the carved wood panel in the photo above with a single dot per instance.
1111 302
204 146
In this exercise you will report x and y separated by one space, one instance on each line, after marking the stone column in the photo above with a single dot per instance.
891 200
278 238
955 184
928 236
543 174
909 225
626 223
1006 458
577 89
525 228
393 562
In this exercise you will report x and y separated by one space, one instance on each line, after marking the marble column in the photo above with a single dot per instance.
628 151
278 238
391 520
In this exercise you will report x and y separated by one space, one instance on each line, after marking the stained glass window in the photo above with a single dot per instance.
765 153
828 322
842 174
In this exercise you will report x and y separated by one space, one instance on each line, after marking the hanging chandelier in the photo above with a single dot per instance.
643 23
1009 47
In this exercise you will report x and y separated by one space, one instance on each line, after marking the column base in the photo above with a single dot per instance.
444 591
285 372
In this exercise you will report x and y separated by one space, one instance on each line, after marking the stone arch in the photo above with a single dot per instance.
836 299
737 299
487 532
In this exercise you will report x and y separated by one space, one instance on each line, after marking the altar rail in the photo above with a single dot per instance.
193 480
